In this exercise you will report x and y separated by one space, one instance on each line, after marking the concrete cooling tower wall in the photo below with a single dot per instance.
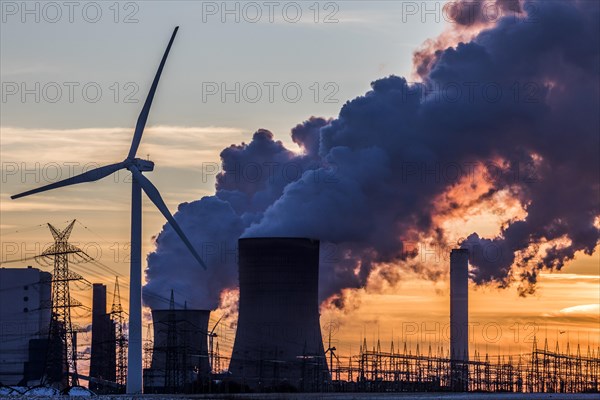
278 342
180 351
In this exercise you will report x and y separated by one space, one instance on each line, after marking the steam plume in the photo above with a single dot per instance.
523 92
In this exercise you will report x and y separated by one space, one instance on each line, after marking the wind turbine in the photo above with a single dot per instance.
211 336
136 166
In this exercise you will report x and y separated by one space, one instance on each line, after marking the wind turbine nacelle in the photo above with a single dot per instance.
143 165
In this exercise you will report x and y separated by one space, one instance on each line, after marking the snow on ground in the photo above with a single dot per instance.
80 393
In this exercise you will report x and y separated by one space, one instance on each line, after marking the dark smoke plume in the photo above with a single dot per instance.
523 93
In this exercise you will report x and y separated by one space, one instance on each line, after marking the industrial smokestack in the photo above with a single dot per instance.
459 317
278 342
180 351
103 361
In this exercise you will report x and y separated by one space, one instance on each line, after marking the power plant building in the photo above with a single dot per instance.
25 295
278 344
459 317
103 353
180 352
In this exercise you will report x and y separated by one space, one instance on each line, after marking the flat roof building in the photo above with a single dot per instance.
25 304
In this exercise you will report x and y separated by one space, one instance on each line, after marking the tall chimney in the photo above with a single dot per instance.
103 353
459 317
278 343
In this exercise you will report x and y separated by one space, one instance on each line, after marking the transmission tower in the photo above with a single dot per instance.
61 358
148 347
217 360
121 345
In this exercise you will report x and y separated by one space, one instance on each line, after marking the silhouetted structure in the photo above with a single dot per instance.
413 370
61 357
118 316
25 295
459 318
180 352
103 354
278 344
139 183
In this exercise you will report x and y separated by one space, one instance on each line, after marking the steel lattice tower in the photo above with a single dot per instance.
217 359
61 359
121 345
148 347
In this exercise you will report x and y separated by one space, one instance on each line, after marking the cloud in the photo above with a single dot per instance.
168 146
579 313
585 309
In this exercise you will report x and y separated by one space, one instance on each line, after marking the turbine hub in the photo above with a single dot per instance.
143 165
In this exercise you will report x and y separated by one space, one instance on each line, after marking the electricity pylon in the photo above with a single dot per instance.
118 318
61 357
148 347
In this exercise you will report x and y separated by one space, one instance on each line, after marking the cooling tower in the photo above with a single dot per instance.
459 317
180 352
278 342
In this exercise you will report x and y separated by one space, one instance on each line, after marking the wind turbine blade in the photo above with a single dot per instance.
154 195
141 122
215 327
89 176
